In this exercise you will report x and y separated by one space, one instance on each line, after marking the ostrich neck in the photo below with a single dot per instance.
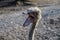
32 30
34 25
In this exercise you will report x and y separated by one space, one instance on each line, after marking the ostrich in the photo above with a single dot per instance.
34 16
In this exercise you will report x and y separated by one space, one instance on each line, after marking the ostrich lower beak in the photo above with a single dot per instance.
27 22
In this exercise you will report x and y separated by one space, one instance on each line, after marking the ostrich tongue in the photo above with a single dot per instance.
28 21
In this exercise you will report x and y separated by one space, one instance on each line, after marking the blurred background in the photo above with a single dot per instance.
8 3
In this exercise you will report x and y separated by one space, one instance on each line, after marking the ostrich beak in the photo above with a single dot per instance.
29 20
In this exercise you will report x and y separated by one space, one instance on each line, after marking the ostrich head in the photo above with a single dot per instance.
34 14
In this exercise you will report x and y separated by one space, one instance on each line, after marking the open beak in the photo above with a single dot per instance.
29 20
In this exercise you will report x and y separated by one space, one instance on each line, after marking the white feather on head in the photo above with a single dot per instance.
33 9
